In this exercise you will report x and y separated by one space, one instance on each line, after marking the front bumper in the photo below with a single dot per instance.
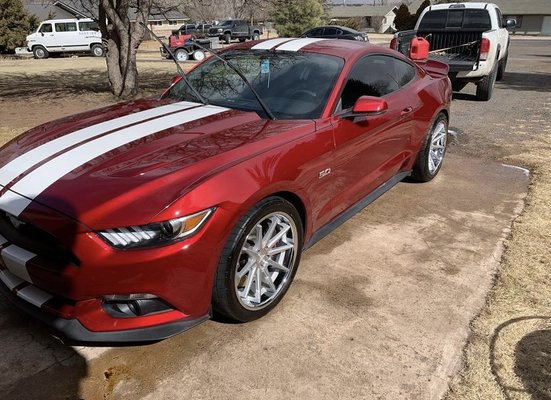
73 330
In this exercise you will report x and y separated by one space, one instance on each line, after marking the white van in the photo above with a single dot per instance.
65 36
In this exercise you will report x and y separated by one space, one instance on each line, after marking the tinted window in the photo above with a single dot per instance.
329 32
376 76
46 28
293 85
315 32
66 27
456 18
88 26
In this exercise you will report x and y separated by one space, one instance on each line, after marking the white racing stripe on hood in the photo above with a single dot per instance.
19 165
297 44
270 44
41 178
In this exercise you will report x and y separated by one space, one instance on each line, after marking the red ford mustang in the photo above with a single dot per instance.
140 220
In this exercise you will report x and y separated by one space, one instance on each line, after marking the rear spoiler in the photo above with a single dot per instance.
434 68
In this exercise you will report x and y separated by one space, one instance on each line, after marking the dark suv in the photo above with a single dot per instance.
235 29
335 32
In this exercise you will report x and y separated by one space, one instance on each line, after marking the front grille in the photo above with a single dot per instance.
36 240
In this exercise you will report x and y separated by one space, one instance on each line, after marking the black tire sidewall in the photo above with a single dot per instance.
36 49
225 299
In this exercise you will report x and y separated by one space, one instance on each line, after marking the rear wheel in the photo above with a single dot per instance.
502 66
458 85
431 155
181 55
485 87
198 55
40 52
259 261
97 50
227 38
256 36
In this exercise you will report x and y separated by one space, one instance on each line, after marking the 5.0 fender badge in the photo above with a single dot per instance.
324 173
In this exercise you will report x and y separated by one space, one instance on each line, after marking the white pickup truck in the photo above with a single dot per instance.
471 38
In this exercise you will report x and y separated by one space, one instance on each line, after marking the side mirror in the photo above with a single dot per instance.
510 23
366 106
42 33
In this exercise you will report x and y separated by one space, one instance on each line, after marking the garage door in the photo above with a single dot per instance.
546 26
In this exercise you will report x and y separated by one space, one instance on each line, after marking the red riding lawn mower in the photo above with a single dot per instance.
184 48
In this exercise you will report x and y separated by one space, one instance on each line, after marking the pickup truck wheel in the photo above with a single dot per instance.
259 261
485 87
40 52
227 38
433 150
198 55
256 36
502 66
97 50
181 55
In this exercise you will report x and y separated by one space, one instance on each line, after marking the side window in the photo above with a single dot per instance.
88 26
46 28
330 32
403 72
371 76
315 32
66 27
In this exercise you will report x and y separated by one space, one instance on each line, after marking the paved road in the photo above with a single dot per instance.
379 309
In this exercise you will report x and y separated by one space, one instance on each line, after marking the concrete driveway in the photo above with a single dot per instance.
379 309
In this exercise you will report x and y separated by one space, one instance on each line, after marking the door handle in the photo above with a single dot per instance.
406 111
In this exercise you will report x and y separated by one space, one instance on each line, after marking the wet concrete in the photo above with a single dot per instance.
379 309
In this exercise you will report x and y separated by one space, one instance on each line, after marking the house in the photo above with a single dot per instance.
533 16
378 18
161 23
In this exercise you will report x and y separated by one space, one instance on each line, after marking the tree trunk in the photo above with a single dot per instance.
121 39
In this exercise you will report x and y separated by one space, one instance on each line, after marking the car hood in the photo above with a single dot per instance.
97 166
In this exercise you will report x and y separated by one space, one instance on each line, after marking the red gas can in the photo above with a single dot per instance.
419 49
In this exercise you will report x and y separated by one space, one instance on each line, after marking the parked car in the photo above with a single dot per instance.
136 221
65 36
336 32
472 38
231 29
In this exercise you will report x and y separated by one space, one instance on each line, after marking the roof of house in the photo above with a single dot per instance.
44 11
531 7
354 10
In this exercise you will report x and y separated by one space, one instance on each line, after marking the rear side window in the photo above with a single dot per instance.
315 32
456 18
330 32
46 28
88 26
66 27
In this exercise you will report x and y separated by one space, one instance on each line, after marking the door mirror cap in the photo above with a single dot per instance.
370 105
511 23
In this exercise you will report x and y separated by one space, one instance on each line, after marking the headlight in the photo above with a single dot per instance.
220 29
157 233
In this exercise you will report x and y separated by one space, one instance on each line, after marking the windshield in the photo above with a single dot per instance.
293 85
225 23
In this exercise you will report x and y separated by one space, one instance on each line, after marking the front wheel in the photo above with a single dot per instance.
433 150
40 53
256 36
227 38
259 261
181 55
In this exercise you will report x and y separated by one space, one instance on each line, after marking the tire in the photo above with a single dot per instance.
485 87
502 66
40 53
430 157
97 50
198 55
243 259
458 85
227 38
256 36
181 55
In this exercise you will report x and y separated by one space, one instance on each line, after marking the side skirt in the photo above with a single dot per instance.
360 205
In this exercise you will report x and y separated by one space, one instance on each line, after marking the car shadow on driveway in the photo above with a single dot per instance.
35 365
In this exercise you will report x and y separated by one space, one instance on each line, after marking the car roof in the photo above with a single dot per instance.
346 49
456 6
344 28
67 20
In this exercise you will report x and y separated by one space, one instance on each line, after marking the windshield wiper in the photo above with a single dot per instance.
242 76
178 67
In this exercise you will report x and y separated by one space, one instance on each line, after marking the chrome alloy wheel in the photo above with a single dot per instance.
437 148
266 261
